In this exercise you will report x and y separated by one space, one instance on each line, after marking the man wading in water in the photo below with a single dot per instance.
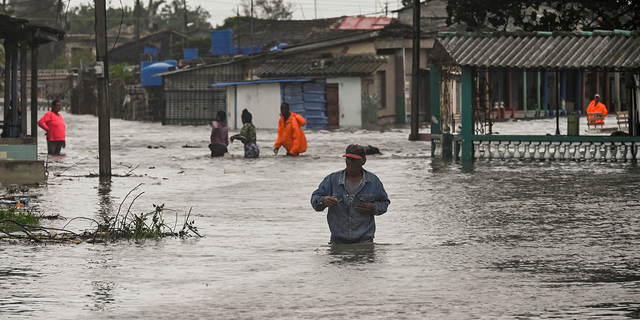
354 196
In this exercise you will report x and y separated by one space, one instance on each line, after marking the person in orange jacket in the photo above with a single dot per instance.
290 134
597 106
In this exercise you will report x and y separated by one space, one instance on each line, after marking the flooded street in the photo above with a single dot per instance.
500 240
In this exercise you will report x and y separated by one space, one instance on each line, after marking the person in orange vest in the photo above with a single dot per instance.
597 106
290 134
53 123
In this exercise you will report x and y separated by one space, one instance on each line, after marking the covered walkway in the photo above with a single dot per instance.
559 73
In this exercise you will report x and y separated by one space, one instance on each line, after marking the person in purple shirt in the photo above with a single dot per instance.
219 135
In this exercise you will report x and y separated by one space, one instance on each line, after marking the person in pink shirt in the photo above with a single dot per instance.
219 136
53 123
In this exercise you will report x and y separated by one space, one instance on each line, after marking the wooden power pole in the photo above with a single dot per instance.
415 73
102 72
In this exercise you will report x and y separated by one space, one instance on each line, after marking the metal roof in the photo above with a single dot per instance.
617 50
364 23
357 65
258 82
17 30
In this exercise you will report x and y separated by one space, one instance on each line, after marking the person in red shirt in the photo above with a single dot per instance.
597 106
53 123
290 134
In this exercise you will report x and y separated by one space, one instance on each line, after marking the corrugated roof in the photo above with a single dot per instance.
223 84
358 65
364 23
607 50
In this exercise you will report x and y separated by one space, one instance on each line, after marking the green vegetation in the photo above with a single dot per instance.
560 15
80 19
117 72
86 56
150 225
268 9
13 219
18 224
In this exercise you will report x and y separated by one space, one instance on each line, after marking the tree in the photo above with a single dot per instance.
268 9
81 19
532 15
61 62
172 16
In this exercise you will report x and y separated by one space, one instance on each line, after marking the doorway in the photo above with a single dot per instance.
333 111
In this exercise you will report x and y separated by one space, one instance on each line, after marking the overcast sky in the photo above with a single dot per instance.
302 9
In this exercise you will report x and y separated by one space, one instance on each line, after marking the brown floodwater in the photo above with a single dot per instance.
493 240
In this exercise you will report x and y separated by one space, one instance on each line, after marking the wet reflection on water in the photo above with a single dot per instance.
105 209
358 253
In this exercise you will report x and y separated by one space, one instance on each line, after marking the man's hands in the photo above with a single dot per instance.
275 150
330 201
364 207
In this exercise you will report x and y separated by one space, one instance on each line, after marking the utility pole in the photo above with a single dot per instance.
136 13
151 14
185 24
102 72
415 73
251 45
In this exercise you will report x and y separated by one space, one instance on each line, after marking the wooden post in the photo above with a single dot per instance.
434 74
538 94
34 92
524 92
557 84
104 131
415 73
22 106
7 83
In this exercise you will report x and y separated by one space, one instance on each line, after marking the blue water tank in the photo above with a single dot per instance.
148 71
190 54
152 50
221 41
172 62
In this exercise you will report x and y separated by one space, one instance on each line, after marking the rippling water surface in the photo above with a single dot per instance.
497 240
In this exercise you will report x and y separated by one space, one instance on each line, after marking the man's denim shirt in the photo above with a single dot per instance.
345 223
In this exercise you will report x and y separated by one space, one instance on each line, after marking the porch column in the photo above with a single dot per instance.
23 89
13 132
563 91
538 94
545 92
466 110
435 99
524 92
578 108
34 92
7 84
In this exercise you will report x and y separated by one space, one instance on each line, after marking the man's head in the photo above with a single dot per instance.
355 157
284 109
596 97
355 151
